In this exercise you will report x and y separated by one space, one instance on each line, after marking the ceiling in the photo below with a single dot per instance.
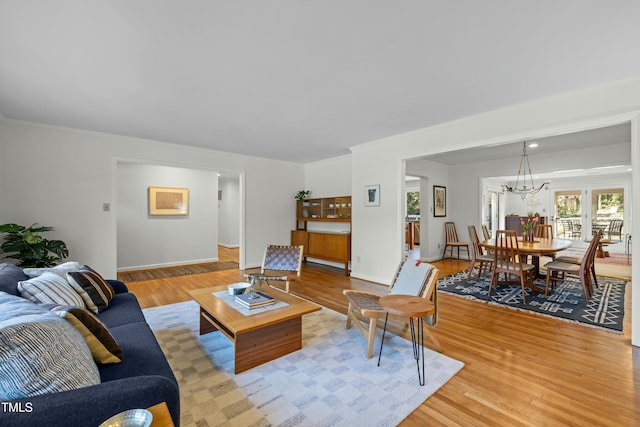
299 81
611 135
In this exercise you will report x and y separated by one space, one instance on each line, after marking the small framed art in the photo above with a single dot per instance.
372 195
168 201
439 201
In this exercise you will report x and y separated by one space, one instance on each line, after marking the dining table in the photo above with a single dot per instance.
540 246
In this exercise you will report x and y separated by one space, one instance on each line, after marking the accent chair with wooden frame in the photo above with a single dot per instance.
477 254
278 259
451 240
412 277
508 261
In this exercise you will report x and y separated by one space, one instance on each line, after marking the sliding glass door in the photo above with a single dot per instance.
607 211
568 213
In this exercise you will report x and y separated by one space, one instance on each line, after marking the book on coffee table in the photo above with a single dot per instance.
254 300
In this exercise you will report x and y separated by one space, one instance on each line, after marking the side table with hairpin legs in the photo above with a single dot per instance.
412 307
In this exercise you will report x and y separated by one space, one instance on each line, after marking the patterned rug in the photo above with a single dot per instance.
329 382
605 309
178 270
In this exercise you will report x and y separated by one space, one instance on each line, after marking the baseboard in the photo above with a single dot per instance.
167 264
232 246
373 279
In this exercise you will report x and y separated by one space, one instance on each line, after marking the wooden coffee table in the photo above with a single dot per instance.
257 338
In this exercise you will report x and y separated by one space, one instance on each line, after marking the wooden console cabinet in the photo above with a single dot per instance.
325 245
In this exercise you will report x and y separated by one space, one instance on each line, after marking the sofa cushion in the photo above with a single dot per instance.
143 355
103 346
49 288
95 292
61 269
40 353
10 275
123 309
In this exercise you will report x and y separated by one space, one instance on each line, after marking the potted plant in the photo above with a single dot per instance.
301 195
26 245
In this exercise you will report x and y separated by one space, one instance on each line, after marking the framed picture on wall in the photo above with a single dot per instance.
439 201
372 195
168 201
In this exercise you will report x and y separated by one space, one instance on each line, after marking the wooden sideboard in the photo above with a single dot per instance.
331 246
512 222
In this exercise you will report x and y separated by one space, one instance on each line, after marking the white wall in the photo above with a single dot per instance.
150 241
377 233
329 178
61 177
229 212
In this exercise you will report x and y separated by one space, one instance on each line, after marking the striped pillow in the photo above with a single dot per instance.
49 288
103 346
61 269
96 293
39 352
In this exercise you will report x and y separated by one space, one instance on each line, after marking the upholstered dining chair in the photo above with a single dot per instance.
280 263
485 232
477 254
557 270
508 261
451 240
412 277
544 231
578 259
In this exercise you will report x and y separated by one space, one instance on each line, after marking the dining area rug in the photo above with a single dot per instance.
605 309
329 382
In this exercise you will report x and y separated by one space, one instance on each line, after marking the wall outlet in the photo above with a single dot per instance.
106 207
358 258
438 245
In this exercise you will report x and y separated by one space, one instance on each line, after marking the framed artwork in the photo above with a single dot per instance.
168 201
439 201
372 195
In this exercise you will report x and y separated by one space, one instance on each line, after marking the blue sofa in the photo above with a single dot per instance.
142 379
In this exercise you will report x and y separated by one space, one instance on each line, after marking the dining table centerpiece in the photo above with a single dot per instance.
528 226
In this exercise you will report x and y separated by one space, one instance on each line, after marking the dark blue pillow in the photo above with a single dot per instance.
10 275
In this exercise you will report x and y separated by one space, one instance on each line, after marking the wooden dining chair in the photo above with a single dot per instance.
477 254
544 231
452 242
508 261
577 260
557 271
485 232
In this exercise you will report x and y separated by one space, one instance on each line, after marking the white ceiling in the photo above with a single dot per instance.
299 80
611 135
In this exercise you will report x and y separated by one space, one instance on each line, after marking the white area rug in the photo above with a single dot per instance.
329 382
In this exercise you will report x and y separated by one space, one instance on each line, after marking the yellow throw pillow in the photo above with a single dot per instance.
103 346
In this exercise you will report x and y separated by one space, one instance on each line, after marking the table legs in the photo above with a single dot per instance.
417 341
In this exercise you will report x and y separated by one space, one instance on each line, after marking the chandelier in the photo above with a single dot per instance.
524 185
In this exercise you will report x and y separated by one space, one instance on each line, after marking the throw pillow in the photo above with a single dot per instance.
61 269
10 275
94 290
103 346
49 288
40 353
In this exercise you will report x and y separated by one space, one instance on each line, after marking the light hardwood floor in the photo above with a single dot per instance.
520 369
